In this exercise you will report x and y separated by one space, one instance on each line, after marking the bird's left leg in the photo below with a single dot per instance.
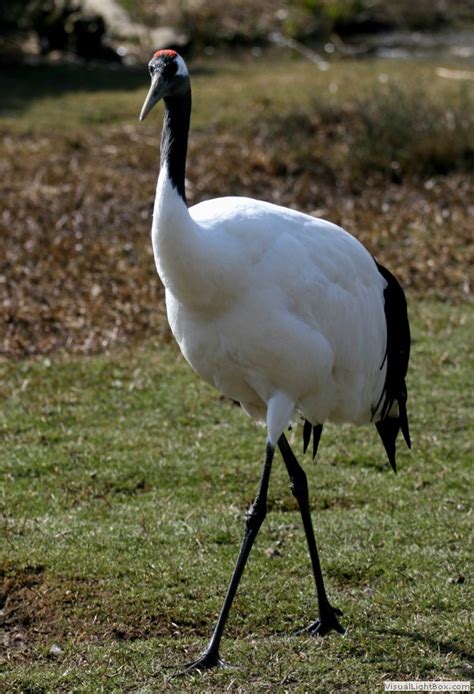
299 486
254 519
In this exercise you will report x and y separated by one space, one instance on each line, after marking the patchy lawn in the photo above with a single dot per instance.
125 483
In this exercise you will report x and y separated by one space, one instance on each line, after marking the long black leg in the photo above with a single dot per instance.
299 487
254 519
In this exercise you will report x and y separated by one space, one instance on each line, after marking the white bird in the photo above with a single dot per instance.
286 314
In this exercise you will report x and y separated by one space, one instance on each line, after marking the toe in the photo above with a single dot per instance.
327 622
206 661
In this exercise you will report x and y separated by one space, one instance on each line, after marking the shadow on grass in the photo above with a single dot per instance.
22 84
435 644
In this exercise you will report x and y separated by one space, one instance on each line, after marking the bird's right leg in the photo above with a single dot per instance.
299 486
254 519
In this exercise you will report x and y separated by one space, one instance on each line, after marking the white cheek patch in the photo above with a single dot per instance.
182 70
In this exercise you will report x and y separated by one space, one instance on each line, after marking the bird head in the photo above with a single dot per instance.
169 77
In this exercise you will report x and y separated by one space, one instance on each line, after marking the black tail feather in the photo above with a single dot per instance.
397 355
306 435
308 429
317 431
403 417
388 431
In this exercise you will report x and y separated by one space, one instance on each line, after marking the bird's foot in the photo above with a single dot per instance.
206 661
327 621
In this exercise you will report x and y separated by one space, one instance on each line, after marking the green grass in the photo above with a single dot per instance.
228 90
356 120
125 482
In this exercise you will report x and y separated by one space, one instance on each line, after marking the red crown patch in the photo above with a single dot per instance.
167 51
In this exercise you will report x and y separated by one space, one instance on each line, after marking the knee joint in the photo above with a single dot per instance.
299 484
255 515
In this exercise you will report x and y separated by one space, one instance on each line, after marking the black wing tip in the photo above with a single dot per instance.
403 417
391 451
397 354
388 431
406 436
316 431
306 435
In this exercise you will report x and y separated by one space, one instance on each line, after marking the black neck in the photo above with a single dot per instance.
174 138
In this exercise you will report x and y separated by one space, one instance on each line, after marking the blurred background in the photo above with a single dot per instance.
359 111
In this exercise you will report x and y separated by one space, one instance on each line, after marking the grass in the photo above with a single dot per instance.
229 90
125 484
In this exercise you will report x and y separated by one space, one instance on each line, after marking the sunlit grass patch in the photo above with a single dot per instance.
125 483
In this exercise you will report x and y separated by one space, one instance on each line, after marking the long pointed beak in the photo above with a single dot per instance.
153 96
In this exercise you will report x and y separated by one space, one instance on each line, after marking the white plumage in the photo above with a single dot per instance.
286 314
264 300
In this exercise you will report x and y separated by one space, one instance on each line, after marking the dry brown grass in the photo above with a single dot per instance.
77 270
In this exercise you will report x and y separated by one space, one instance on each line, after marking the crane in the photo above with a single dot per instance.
286 314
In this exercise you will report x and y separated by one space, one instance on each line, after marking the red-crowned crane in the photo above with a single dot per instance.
286 314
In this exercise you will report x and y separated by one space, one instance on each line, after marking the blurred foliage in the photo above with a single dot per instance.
392 132
35 15
236 22
58 25
403 133
211 22
16 15
349 16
